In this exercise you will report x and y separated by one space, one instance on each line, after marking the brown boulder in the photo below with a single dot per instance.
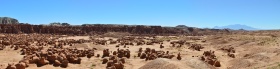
56 63
21 65
11 66
105 60
119 65
122 60
217 64
64 63
143 56
110 63
42 61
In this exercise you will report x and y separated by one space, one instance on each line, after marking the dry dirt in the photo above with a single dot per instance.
251 52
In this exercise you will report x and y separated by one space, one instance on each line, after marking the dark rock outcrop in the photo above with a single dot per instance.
8 20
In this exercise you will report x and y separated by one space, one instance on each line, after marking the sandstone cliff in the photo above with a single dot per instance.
101 29
11 25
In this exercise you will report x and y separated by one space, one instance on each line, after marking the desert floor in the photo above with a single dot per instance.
251 52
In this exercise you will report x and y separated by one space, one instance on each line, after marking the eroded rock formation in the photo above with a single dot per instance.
95 29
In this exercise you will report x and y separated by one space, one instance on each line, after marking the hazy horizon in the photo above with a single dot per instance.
193 13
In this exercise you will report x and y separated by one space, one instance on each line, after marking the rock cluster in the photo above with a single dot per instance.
35 50
210 58
151 54
196 47
230 51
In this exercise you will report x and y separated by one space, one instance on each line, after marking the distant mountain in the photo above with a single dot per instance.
236 27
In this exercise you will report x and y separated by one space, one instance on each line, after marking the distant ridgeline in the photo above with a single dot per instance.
11 25
8 20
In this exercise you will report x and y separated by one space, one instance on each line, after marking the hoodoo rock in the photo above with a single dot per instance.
179 56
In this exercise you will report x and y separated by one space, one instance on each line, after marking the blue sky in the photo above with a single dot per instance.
264 14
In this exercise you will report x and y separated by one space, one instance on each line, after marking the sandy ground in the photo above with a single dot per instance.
261 52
